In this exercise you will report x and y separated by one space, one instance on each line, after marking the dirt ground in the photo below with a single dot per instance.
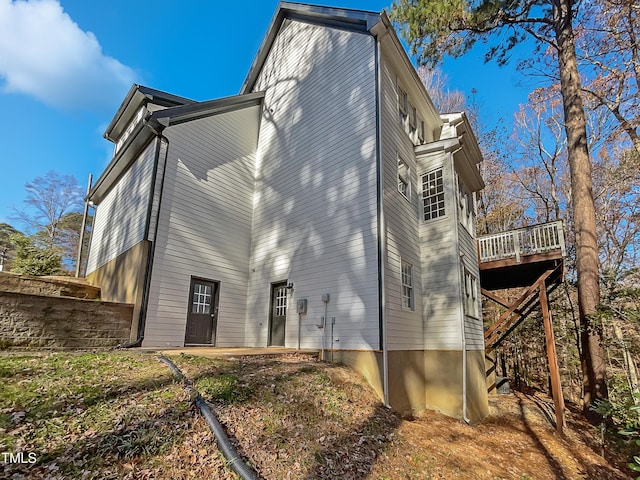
517 441
122 416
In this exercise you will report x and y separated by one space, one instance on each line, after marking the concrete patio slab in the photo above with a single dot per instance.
212 352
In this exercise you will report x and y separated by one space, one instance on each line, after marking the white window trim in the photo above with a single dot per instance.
406 181
422 196
411 287
470 290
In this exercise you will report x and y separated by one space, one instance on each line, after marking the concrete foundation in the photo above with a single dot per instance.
420 380
122 279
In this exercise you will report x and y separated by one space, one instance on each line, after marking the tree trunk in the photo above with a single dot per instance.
593 355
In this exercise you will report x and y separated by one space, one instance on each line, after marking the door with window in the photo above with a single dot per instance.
278 315
202 313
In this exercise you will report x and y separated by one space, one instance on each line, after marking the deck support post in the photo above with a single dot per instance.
554 370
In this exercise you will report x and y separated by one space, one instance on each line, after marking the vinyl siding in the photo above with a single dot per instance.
442 287
474 329
120 218
314 220
204 224
405 328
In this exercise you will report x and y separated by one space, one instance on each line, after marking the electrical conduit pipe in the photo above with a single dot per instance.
235 461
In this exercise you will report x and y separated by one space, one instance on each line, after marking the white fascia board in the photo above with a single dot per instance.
396 53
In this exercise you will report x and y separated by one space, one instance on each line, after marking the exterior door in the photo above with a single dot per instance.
278 315
202 313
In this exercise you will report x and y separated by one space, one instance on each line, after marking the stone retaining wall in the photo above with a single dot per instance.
58 286
47 322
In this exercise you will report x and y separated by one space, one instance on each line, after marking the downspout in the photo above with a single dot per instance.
85 213
149 264
382 324
461 283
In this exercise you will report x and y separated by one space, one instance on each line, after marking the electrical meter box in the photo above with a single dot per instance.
301 306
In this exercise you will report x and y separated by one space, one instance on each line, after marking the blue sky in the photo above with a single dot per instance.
66 65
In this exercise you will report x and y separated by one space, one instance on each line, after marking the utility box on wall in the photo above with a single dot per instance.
301 306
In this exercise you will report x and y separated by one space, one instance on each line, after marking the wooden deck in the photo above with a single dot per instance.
517 258
531 257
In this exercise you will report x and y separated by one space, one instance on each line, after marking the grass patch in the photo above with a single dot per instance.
94 416
223 388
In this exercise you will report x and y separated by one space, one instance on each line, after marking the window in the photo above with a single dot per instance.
433 194
201 299
403 108
413 118
281 301
465 206
404 179
407 285
470 294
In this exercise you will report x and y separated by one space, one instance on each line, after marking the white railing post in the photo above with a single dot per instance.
522 241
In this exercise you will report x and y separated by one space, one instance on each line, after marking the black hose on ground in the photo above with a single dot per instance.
235 461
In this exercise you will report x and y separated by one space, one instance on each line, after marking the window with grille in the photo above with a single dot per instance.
281 301
407 286
201 299
433 194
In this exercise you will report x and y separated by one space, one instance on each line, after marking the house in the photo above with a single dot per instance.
329 188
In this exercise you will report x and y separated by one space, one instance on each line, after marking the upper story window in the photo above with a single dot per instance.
466 207
404 179
433 194
403 106
407 286
409 119
413 119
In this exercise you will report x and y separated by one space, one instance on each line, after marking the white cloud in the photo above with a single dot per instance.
45 54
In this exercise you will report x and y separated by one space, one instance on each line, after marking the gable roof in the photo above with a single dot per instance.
346 19
139 94
194 111
154 122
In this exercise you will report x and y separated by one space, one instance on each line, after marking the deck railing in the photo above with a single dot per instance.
536 239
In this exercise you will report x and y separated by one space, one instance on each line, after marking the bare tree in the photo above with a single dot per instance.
609 54
49 199
437 85
541 154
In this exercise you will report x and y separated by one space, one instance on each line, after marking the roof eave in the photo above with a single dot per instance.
186 113
137 95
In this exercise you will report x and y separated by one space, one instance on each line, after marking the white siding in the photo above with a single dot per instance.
205 224
315 201
121 216
405 328
474 329
442 287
